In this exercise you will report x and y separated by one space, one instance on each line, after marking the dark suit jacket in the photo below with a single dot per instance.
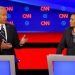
67 41
12 38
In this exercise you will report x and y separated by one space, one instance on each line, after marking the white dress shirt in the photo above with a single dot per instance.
4 30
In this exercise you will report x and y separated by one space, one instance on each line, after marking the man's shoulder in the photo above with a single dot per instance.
10 25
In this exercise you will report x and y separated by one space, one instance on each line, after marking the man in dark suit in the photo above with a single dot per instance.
68 39
9 39
8 36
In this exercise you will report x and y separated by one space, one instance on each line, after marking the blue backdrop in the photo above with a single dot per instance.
40 15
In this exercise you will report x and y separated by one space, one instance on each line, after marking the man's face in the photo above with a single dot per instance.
72 20
3 15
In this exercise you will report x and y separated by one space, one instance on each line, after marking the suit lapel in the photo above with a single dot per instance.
71 38
8 32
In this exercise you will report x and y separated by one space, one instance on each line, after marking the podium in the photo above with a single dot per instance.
61 65
7 65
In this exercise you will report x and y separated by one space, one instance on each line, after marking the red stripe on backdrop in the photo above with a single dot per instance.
34 58
42 37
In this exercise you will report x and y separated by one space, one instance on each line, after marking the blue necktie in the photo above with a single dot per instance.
2 33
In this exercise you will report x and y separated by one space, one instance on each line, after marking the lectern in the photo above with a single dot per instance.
7 65
61 65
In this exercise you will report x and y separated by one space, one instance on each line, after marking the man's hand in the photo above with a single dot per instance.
6 45
23 40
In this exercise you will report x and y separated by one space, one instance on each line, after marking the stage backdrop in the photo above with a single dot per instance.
37 19
40 15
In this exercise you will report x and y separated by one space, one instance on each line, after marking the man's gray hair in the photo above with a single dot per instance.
1 8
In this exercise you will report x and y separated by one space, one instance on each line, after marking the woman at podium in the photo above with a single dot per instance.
68 39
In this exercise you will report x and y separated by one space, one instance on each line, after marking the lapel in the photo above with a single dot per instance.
70 36
8 32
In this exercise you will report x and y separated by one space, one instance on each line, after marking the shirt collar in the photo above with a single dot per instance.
2 24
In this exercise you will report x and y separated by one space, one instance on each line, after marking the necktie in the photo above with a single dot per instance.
2 33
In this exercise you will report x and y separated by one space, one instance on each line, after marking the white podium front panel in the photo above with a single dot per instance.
7 65
64 68
5 68
61 65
